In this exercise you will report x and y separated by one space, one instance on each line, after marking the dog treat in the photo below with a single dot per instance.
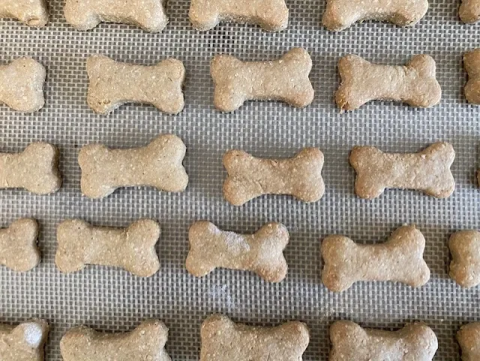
21 85
30 12
427 171
35 169
113 84
341 14
414 342
465 265
469 11
399 259
271 15
471 61
131 248
261 252
24 342
146 342
250 177
18 245
158 165
469 339
362 81
224 340
285 79
87 14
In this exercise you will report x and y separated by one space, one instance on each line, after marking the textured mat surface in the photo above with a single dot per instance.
113 300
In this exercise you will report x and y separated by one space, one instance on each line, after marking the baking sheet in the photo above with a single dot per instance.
113 300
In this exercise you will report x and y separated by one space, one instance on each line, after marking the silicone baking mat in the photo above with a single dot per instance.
114 300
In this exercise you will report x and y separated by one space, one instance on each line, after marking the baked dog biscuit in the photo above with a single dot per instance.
250 177
87 14
224 340
285 79
427 171
18 245
414 342
362 81
465 265
471 61
271 15
341 14
131 248
400 259
469 11
261 252
113 84
35 169
145 343
30 12
469 339
158 165
21 85
24 342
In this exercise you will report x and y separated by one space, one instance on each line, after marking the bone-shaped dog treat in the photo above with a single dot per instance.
285 79
35 169
469 339
18 245
271 15
146 342
414 342
427 171
469 11
250 177
30 12
471 61
465 265
113 84
341 14
87 14
362 81
131 248
21 85
24 342
399 259
158 165
224 340
261 252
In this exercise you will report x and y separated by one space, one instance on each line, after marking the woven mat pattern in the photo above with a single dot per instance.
113 300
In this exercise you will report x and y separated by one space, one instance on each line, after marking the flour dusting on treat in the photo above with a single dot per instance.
399 259
414 342
145 343
271 15
285 79
24 342
427 171
223 340
362 81
113 84
131 248
250 177
87 14
261 252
